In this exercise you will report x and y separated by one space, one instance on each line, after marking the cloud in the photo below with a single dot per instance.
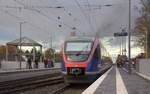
7 34
42 25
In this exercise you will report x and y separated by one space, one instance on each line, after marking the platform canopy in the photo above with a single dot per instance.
25 41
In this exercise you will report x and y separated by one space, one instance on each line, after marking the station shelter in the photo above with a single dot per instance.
24 41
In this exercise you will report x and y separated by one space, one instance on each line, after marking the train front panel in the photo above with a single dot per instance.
80 65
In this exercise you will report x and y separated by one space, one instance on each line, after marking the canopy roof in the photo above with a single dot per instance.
25 41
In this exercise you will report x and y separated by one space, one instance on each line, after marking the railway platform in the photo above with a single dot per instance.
26 74
118 81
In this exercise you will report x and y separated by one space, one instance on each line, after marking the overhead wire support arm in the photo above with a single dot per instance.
5 11
26 7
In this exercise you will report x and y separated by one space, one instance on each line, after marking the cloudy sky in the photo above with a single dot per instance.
43 20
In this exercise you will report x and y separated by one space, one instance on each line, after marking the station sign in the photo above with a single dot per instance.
120 34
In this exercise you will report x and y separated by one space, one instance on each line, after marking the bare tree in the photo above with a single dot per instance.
142 27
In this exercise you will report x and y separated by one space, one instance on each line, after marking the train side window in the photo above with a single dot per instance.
97 53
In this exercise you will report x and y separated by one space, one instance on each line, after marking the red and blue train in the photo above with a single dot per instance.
83 59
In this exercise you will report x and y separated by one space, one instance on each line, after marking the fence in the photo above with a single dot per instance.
11 65
143 66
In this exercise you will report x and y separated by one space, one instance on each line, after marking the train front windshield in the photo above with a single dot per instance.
77 51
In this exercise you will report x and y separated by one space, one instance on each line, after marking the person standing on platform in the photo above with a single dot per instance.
49 63
29 63
0 63
52 63
45 63
36 63
134 63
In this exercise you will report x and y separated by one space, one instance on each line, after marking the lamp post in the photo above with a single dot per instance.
120 46
146 46
123 42
129 36
20 42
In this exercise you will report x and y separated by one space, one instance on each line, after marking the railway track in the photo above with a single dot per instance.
71 89
75 88
51 84
16 86
60 90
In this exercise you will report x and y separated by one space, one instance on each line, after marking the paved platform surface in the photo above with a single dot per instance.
117 81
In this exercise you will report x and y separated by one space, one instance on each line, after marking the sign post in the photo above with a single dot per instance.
121 34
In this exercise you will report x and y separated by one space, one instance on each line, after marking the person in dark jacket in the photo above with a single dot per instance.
52 63
29 63
0 63
36 63
45 63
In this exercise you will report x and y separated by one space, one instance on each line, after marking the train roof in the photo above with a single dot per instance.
81 39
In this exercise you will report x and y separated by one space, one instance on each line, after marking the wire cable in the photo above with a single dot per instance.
49 18
82 11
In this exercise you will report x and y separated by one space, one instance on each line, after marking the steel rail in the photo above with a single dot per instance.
10 87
